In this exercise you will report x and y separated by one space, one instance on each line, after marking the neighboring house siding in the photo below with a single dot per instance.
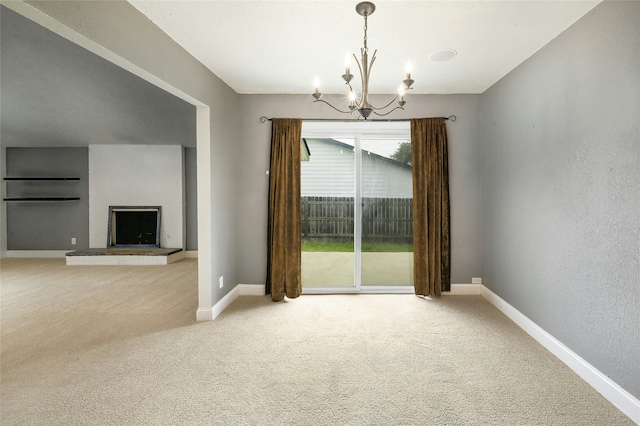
384 179
330 173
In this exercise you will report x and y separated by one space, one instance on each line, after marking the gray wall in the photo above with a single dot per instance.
191 194
47 225
50 225
464 162
56 93
133 41
561 185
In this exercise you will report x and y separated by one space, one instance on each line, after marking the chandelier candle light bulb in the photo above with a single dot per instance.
408 82
401 102
362 107
347 76
352 100
316 84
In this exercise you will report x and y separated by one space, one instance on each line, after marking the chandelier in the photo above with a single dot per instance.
360 104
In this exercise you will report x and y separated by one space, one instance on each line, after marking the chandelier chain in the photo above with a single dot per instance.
365 49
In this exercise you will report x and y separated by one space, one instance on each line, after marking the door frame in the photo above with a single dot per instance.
357 130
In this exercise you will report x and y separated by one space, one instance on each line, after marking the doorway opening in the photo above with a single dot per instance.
357 208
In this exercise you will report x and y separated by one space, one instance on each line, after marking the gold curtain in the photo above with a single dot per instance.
284 233
431 243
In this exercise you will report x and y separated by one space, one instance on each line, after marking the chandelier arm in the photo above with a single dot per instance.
390 102
373 59
367 65
355 95
325 102
387 105
359 68
366 81
389 112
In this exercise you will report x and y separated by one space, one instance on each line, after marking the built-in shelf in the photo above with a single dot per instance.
40 178
41 198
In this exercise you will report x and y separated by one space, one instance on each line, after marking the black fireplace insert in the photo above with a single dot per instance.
134 226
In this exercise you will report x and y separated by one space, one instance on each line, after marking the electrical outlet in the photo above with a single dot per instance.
73 241
476 280
221 281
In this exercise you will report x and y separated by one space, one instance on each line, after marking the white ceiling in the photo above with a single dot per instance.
280 46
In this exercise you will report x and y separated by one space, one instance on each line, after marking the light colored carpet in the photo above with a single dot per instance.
117 345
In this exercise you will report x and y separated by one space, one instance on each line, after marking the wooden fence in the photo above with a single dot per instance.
331 219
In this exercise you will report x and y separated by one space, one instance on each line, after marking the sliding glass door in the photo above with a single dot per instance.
328 212
386 216
357 208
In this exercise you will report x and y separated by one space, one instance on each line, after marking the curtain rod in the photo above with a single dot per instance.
264 119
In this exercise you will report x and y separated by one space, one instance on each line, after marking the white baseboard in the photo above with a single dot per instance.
204 314
619 397
251 289
38 254
191 254
259 289
464 289
209 314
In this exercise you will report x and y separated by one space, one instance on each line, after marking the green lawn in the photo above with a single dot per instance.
366 247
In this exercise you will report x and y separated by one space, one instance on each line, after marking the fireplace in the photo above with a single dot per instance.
134 227
133 238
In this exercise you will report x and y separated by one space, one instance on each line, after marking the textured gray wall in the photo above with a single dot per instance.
561 185
56 93
191 193
47 225
3 205
464 169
